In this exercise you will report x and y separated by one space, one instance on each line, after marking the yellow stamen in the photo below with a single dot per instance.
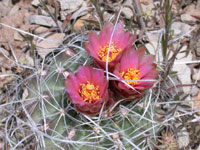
89 92
131 74
103 52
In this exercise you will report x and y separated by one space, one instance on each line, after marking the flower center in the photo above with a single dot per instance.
103 52
89 92
131 74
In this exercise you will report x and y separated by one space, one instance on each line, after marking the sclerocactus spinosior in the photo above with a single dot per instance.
137 70
99 45
87 89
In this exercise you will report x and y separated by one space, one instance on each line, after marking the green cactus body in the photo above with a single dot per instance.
61 127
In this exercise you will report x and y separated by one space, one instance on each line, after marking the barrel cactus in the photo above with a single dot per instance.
54 122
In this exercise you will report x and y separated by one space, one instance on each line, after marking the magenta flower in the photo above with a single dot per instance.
135 66
98 45
87 89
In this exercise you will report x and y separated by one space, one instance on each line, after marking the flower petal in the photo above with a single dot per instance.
91 51
94 41
141 52
148 60
78 108
105 34
144 70
129 60
123 39
72 82
120 40
95 108
84 74
132 59
131 40
144 85
98 77
151 75
119 29
103 84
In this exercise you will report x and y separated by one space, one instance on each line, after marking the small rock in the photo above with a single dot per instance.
195 103
196 75
182 57
180 28
7 3
106 16
198 48
193 11
44 47
69 6
18 37
183 71
44 12
183 138
35 3
189 14
40 29
78 24
81 12
150 24
126 10
29 60
152 46
43 20
4 10
146 2
13 10
194 90
3 52
198 7
198 148
148 10
188 18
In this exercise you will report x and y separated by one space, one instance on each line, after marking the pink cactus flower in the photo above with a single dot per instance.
135 66
87 89
98 45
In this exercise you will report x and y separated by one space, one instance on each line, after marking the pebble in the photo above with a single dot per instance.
35 3
126 10
146 2
18 37
43 20
196 75
183 138
69 6
187 18
40 29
